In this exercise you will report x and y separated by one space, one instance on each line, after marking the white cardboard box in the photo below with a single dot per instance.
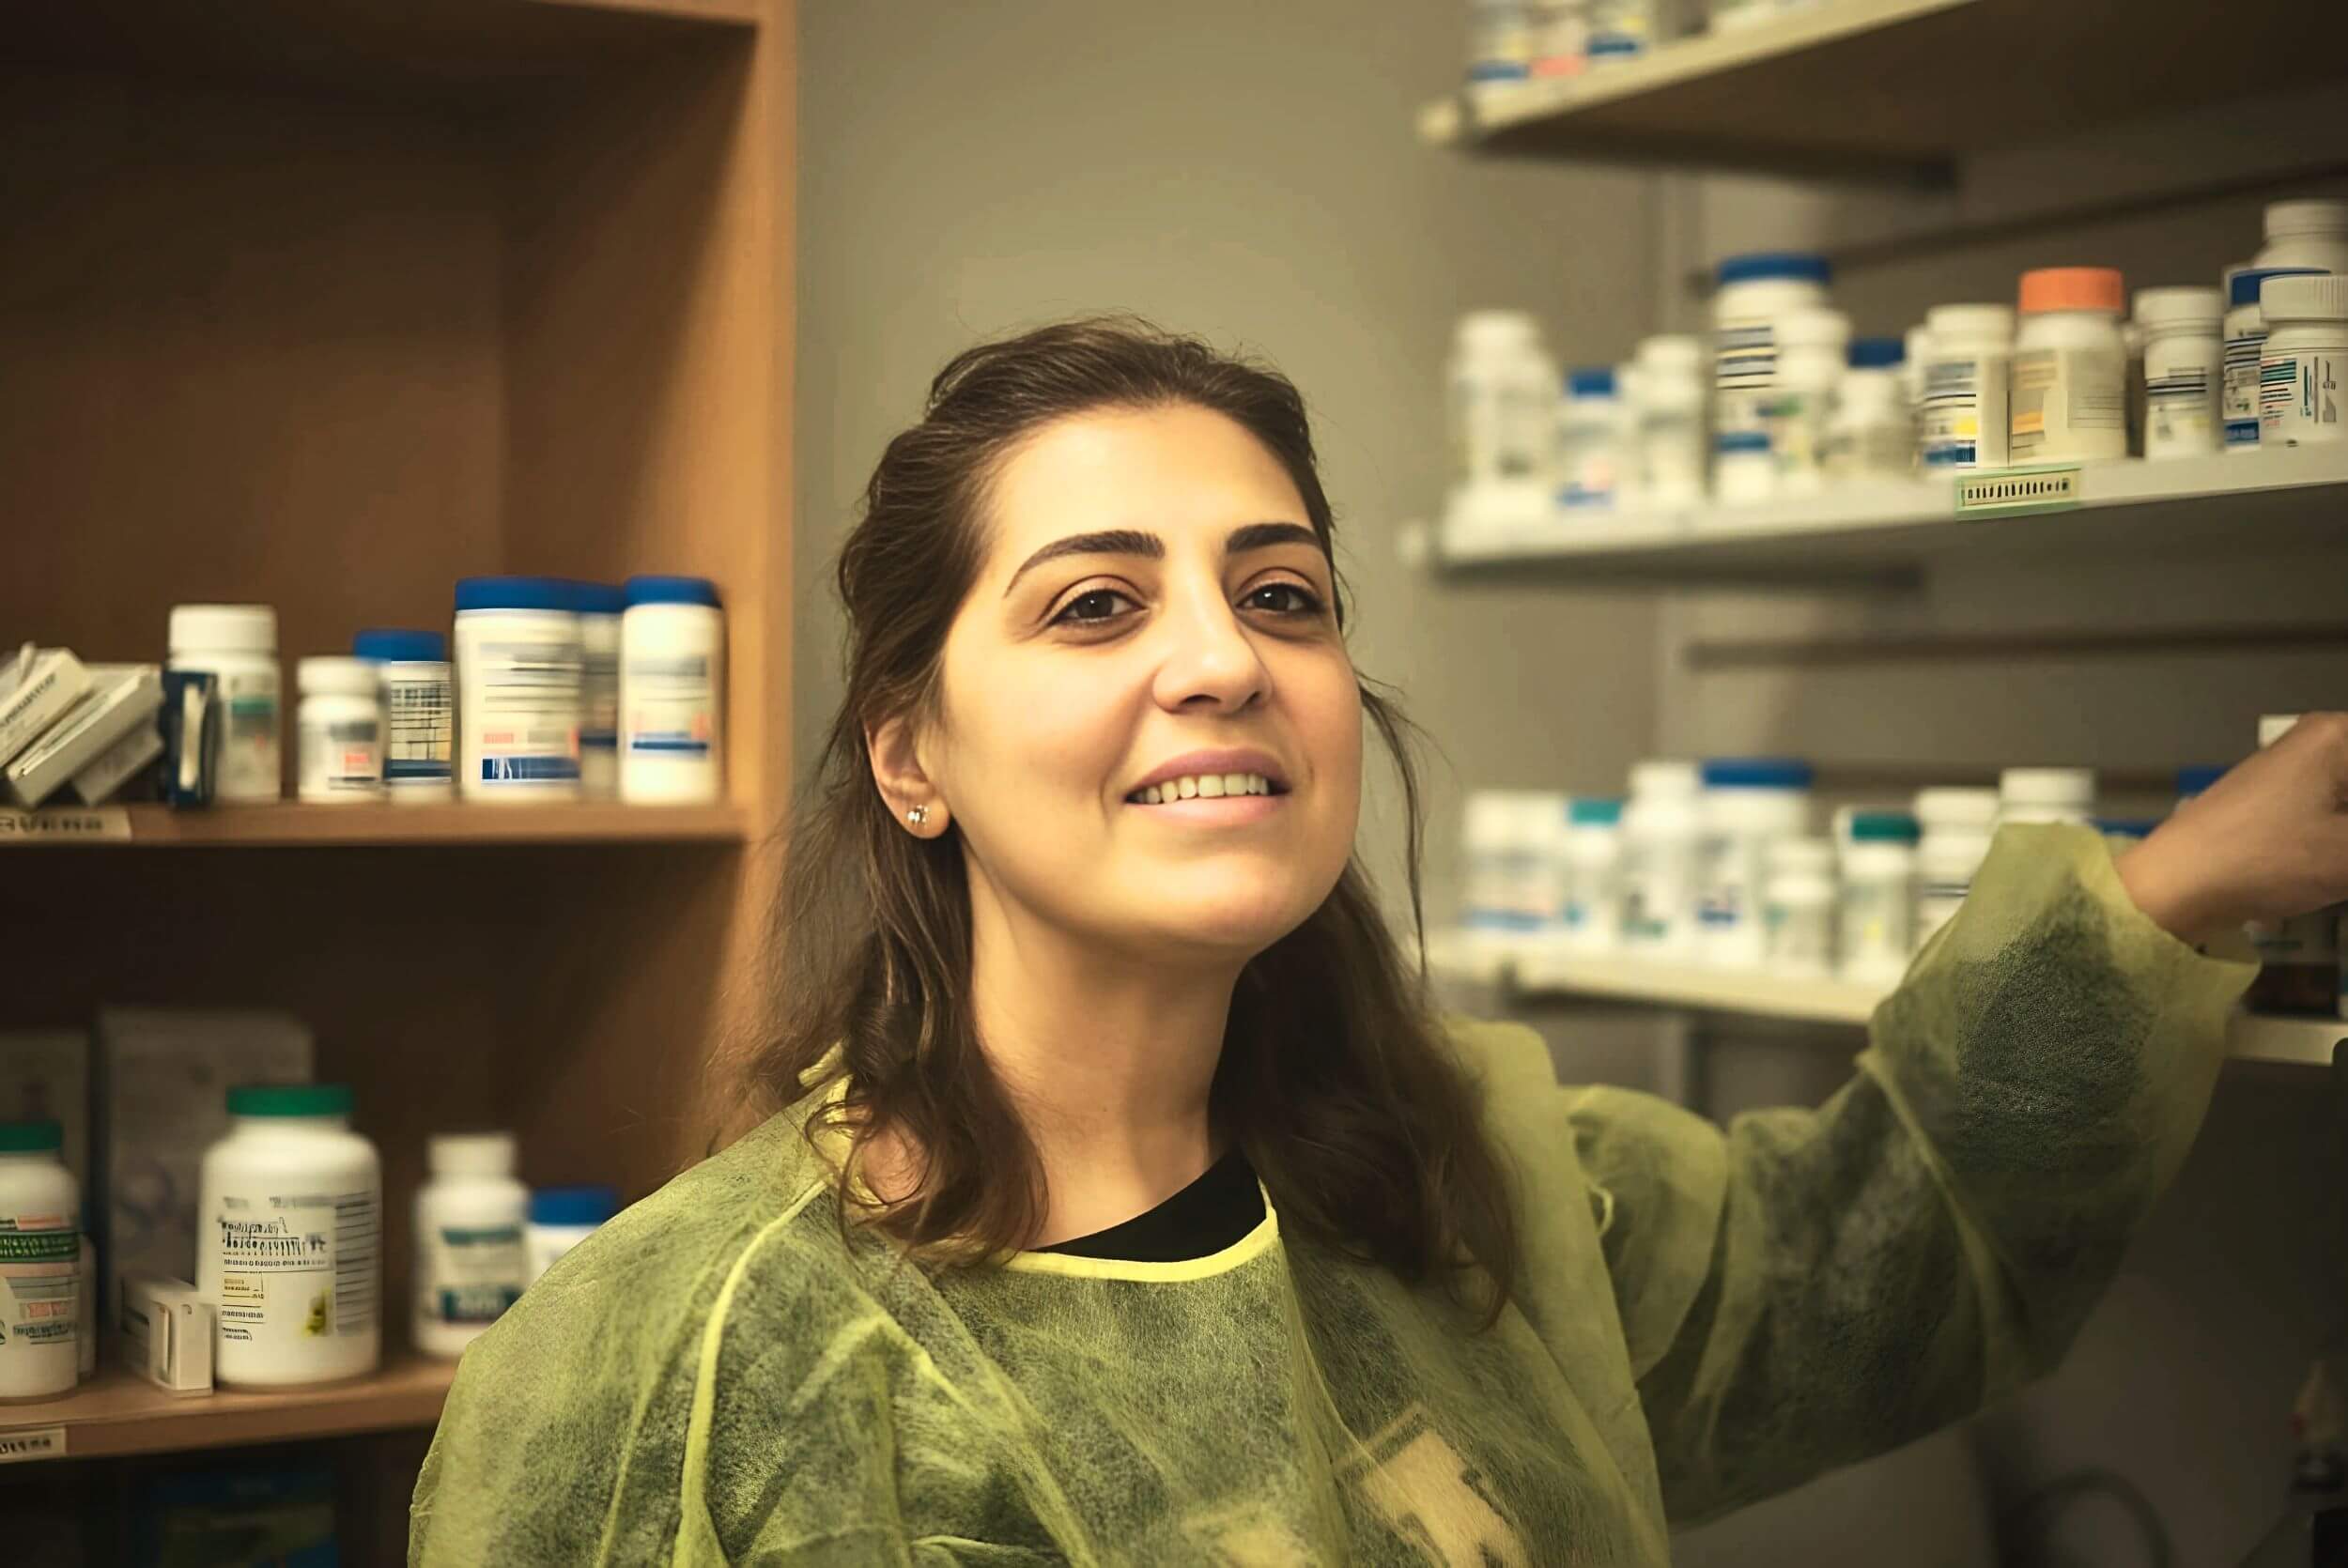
36 690
167 1334
44 1076
122 696
163 1081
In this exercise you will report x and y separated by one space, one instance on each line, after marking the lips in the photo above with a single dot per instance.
1210 775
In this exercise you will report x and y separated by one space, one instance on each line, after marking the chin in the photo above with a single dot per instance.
1228 921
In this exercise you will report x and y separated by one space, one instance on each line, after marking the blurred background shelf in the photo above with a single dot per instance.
1900 90
1538 968
1894 531
119 1413
295 824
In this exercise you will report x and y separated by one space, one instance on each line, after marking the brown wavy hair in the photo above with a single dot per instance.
1335 1078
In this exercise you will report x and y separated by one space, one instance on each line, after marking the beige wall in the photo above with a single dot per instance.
1248 172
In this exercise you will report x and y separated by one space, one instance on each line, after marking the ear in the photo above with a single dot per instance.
903 783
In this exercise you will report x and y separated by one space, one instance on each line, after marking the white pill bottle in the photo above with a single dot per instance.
1756 294
2310 234
2184 370
236 644
1966 388
673 666
41 1263
341 728
2070 368
1957 828
518 690
600 606
1661 829
2303 370
560 1218
290 1240
2246 348
470 1259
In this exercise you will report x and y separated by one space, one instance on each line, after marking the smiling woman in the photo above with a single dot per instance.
1119 1199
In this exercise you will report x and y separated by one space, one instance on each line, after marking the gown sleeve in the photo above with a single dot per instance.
1809 1289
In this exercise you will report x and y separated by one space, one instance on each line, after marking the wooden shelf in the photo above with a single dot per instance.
1902 88
119 1413
295 824
1537 967
1892 533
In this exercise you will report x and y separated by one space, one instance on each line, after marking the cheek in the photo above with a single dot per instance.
1019 730
1327 702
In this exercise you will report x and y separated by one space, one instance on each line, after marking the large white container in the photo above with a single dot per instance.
41 1263
2304 364
1878 909
2246 348
471 1262
1748 804
517 699
1967 387
341 727
2046 795
1670 413
1756 295
672 667
560 1218
600 606
1593 875
415 685
1814 354
1798 910
237 644
289 1239
1661 827
2309 234
2184 370
2070 368
1958 825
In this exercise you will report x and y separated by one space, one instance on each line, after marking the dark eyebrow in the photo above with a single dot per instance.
1126 541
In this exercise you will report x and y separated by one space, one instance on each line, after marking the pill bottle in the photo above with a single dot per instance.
2194 782
518 693
1593 880
40 1265
1622 30
341 729
1814 355
1748 804
1561 36
672 674
1756 293
471 1260
1671 421
560 1218
2184 370
2246 346
1966 385
1502 394
1879 908
2305 363
1500 41
1871 434
600 606
1490 844
1661 826
1539 822
2309 234
1958 825
236 644
2070 402
1798 912
2298 958
414 685
1589 438
289 1239
1743 471
2046 795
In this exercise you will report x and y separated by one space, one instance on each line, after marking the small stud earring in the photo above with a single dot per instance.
918 815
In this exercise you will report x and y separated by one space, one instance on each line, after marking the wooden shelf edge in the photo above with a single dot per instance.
720 13
118 1413
292 825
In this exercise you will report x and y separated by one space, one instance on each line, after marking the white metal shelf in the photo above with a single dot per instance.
1534 966
1896 529
1902 88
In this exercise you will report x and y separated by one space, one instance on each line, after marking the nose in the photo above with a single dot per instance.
1210 664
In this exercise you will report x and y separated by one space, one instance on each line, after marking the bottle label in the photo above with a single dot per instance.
1876 918
671 706
2241 389
418 731
522 711
341 757
2069 403
296 1267
41 1283
2299 397
471 1275
250 768
1965 413
2180 398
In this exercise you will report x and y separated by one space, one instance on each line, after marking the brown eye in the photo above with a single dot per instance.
1284 598
1101 604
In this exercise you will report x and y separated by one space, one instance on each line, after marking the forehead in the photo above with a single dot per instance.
1184 473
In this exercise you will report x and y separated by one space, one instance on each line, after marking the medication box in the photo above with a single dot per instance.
163 1099
167 1334
37 688
122 697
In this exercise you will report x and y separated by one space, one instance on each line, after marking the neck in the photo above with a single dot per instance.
1109 1058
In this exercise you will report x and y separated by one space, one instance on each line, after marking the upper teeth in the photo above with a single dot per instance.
1211 785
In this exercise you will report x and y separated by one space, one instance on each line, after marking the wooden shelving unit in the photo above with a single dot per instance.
119 1413
1894 531
1535 967
325 304
1900 90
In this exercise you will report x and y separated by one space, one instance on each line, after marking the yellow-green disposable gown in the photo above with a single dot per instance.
1705 1318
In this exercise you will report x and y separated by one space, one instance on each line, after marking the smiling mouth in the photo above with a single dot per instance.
1205 786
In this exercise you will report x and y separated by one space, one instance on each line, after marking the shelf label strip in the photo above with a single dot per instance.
100 824
32 1442
2013 492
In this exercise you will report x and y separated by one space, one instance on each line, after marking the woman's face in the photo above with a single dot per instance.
1150 732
